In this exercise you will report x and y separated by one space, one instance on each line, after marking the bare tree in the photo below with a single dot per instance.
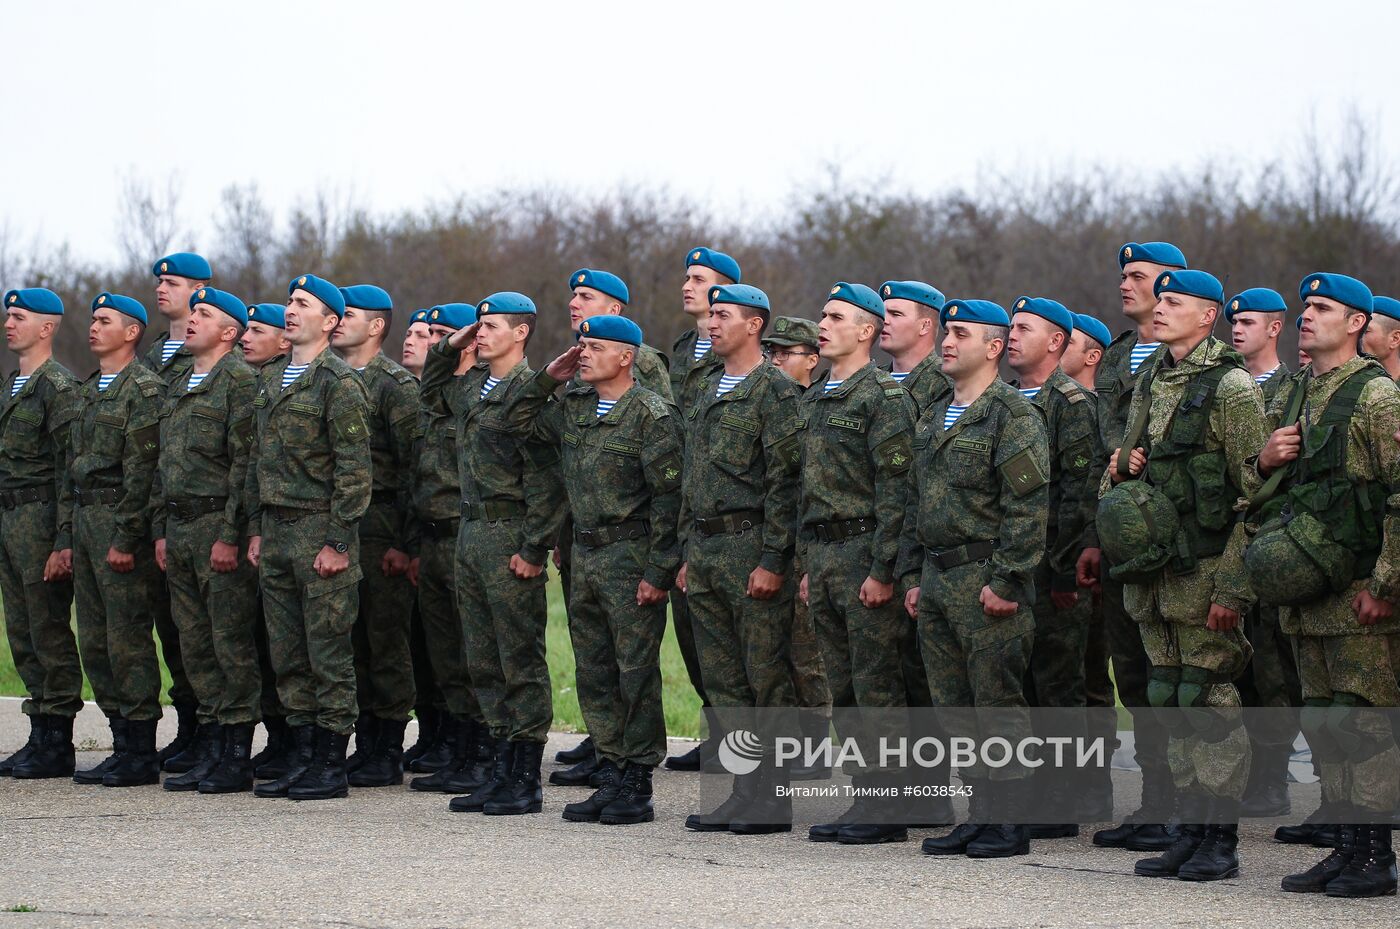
148 220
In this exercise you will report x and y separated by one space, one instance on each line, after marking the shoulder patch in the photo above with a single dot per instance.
895 392
895 454
1023 473
668 471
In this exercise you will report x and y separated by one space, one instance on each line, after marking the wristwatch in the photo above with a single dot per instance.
340 547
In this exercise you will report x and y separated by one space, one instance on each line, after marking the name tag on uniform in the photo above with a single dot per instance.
854 423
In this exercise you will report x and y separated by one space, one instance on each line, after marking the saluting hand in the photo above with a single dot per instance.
464 339
566 365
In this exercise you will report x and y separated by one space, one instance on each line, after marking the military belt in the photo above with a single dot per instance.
195 507
945 559
728 523
290 514
843 529
10 499
493 510
96 496
440 528
607 535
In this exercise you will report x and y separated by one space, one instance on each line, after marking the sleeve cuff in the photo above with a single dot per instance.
660 578
774 562
62 541
534 554
883 572
1016 593
338 534
228 534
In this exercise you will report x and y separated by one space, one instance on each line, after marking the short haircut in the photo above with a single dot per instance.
521 319
868 317
996 332
751 311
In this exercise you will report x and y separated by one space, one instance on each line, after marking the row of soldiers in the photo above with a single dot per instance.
921 534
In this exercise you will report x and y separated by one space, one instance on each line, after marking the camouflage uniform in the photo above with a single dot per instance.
34 436
977 507
181 690
1339 660
739 512
511 503
310 437
198 499
855 457
622 475
926 382
1172 610
383 662
106 496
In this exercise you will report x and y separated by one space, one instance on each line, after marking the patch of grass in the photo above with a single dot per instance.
21 908
681 704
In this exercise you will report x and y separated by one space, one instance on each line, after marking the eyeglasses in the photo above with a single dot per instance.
783 354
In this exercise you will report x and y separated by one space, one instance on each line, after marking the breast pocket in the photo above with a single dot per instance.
23 433
620 460
207 429
735 443
970 463
108 434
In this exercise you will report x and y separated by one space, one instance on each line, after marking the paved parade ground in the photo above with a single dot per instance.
144 857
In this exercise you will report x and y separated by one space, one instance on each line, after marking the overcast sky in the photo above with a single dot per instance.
734 102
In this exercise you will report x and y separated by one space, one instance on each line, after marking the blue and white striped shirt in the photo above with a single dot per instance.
168 350
605 407
1140 353
195 380
291 373
899 375
488 385
1261 378
728 382
105 380
1029 392
953 413
701 347
18 385
832 385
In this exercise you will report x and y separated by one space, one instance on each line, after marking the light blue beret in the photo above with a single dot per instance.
506 301
367 297
1191 283
1047 309
612 328
184 264
269 314
740 295
1387 306
715 261
1347 291
222 300
35 300
321 289
419 316
602 281
1255 300
123 304
858 295
973 311
453 315
1093 328
1159 253
917 291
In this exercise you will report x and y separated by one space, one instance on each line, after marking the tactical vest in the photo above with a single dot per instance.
1193 479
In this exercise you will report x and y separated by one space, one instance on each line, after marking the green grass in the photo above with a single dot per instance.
21 908
679 699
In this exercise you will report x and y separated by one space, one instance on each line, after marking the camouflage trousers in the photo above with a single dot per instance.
617 651
1366 667
743 644
1131 670
1098 683
168 635
270 703
503 626
972 659
808 672
114 619
216 615
383 660
1271 680
309 619
439 612
38 613
1055 675
1171 615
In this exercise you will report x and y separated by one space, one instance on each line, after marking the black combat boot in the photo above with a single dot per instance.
741 797
36 730
576 754
1371 870
632 804
366 726
1217 857
521 792
1058 796
279 734
1315 879
95 774
963 835
1146 829
1266 794
576 775
1191 809
325 777
1318 830
178 757
685 761
53 756
234 771
384 766
816 730
588 811
769 809
140 763
463 740
501 765
302 745
1005 839
480 766
430 731
868 828
208 749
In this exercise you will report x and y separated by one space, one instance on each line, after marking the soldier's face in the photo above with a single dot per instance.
261 343
308 320
1083 352
173 295
24 330
1030 340
437 333
1382 337
695 291
416 342
839 332
588 302
603 360
796 361
110 331
730 330
1328 326
1251 333
966 349
905 325
1135 288
494 338
205 327
354 328
1178 317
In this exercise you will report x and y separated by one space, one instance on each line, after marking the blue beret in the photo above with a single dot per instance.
740 295
223 300
1159 253
858 295
367 297
506 301
973 311
604 281
612 328
269 314
1347 291
419 316
1093 328
127 306
715 261
1048 309
322 290
1387 306
1255 300
917 291
184 264
35 300
1191 283
453 315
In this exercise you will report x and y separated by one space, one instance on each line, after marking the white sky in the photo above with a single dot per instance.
734 102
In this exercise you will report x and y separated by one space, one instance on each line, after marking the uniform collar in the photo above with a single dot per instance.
847 385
